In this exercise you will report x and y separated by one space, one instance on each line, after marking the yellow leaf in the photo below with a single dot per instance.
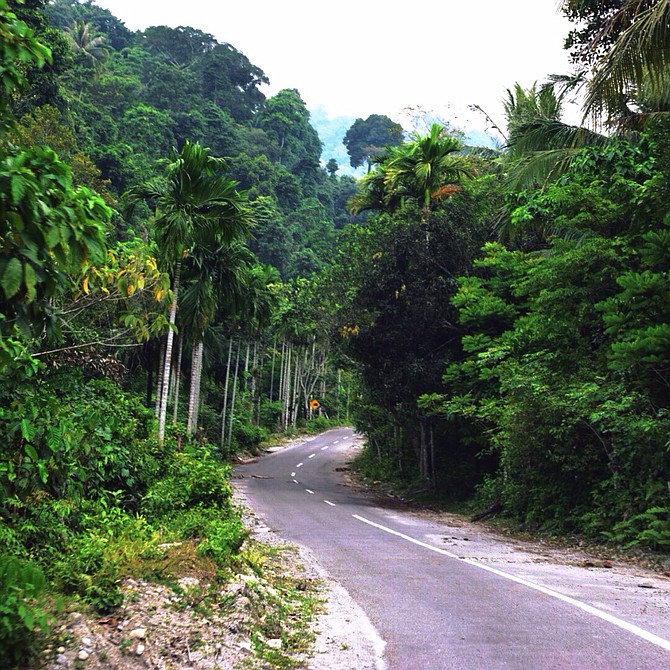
84 286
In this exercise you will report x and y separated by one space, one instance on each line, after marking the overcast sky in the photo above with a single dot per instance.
361 57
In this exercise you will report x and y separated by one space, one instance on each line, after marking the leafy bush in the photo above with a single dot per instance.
247 436
22 612
222 539
193 479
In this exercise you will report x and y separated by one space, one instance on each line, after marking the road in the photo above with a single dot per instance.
440 599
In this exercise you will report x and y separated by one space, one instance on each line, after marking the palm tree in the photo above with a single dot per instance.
423 170
196 207
427 169
83 41
214 277
629 83
541 146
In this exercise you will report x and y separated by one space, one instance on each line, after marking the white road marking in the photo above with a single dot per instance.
311 456
324 448
330 503
295 481
631 628
293 474
336 441
308 491
299 465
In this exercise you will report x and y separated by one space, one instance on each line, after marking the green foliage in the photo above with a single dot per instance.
19 50
48 230
22 610
367 138
222 539
564 366
70 439
192 478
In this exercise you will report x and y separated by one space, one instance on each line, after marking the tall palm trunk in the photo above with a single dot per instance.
272 368
232 400
160 368
194 394
168 356
225 393
175 409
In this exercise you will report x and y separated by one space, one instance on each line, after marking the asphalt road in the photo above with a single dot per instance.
443 601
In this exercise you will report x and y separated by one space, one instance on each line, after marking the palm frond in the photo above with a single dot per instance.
639 59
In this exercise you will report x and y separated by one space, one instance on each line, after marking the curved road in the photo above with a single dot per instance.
443 601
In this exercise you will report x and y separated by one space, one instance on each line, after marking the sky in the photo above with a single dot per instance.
361 57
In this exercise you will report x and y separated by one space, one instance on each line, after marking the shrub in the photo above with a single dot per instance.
22 613
194 478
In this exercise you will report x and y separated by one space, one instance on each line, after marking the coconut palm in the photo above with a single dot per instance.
540 145
84 42
196 206
630 82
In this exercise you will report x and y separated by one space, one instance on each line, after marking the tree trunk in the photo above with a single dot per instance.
296 390
160 363
168 356
196 363
225 393
175 409
431 444
232 400
272 368
198 388
287 385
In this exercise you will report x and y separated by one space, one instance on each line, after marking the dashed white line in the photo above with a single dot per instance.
631 628
330 503
293 474
324 448
299 465
309 491
311 456
295 481
336 442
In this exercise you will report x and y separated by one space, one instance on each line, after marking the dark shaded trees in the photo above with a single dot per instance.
368 138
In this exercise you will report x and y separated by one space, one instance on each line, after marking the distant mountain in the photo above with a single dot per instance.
332 130
477 138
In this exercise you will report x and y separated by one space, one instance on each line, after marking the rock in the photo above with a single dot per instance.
138 634
646 585
61 650
86 641
140 649
244 645
83 655
275 643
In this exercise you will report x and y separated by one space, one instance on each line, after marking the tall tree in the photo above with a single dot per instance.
368 138
194 205
423 170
